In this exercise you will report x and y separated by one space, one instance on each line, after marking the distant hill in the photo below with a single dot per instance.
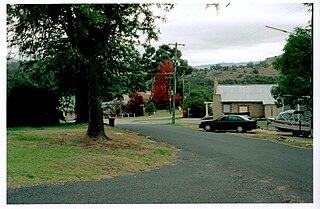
224 64
261 72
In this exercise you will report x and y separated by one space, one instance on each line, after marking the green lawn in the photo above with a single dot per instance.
57 154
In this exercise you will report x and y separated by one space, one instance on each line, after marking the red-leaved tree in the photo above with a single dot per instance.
160 96
136 104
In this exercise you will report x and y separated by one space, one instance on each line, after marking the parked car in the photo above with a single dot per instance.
229 122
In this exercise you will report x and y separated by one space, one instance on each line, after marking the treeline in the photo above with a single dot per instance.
256 79
261 64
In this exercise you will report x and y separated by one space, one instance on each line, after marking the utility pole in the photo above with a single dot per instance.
175 82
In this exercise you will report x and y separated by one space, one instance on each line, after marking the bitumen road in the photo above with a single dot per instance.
209 168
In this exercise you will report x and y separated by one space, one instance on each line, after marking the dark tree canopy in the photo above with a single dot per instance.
295 66
97 38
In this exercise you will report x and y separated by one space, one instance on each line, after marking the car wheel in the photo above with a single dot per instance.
207 128
240 129
296 133
306 134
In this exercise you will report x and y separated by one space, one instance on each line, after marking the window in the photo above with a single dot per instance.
225 118
243 109
233 118
226 108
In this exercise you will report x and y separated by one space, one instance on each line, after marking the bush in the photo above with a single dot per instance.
28 105
136 104
196 105
151 108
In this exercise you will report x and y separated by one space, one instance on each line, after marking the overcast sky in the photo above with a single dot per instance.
237 33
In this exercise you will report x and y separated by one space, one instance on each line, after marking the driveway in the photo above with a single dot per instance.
210 168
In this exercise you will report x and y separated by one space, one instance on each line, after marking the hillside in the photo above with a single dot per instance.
236 73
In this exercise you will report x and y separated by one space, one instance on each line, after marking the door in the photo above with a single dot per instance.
222 123
233 122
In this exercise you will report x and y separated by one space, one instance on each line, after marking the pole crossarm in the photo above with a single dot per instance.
174 82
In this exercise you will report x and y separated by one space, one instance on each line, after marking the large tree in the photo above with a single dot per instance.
153 58
162 88
98 33
295 66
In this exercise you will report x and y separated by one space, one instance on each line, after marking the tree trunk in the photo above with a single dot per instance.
81 108
81 105
96 127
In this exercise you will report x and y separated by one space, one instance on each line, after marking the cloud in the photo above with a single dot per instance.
236 33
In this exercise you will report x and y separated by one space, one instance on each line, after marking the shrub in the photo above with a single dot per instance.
136 104
28 105
151 108
196 105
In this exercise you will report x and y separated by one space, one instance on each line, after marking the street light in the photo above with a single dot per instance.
278 29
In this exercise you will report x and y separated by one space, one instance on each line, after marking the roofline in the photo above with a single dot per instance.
247 84
243 101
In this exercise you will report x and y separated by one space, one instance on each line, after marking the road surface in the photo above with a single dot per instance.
210 168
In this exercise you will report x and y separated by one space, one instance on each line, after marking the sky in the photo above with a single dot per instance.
236 33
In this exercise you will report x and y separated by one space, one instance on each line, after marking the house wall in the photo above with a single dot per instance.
256 109
217 106
272 111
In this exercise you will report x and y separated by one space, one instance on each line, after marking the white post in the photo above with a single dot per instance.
207 109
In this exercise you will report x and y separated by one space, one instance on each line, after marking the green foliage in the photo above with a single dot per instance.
198 84
30 105
196 106
255 71
250 65
256 79
295 66
216 67
262 64
152 58
151 108
31 98
102 36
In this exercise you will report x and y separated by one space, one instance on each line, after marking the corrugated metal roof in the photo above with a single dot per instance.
246 93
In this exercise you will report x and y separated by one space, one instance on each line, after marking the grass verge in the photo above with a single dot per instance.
53 155
269 133
280 137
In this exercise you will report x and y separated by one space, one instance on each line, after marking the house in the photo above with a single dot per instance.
145 95
67 107
255 100
118 106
